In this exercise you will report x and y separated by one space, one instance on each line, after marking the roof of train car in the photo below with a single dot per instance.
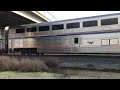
68 20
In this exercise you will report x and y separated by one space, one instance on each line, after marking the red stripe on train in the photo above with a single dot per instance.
63 47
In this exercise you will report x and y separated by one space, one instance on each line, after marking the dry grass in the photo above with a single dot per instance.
52 62
7 64
29 65
24 65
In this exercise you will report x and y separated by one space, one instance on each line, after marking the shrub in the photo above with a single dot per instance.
24 65
32 65
52 62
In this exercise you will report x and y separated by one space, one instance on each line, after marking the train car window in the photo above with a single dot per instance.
22 30
33 29
90 23
114 41
109 21
105 42
76 40
57 27
73 25
44 28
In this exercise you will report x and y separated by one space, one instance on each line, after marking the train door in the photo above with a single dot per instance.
75 43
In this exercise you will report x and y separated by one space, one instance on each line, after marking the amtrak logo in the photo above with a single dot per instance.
90 42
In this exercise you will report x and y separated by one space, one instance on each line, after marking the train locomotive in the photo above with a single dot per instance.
97 34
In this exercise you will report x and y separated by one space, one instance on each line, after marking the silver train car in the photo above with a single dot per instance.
2 41
97 34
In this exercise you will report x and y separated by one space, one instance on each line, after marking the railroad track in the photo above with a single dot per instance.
92 62
90 55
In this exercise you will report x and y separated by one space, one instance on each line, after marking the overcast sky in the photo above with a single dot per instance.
62 15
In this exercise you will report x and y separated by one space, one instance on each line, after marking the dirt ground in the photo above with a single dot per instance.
81 74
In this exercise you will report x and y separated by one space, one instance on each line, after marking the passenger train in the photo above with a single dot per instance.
89 35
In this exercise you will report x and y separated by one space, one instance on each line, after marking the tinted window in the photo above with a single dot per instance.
20 30
109 21
57 27
73 25
33 29
76 40
44 28
90 23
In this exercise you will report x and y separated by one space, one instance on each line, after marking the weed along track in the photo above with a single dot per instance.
47 62
59 67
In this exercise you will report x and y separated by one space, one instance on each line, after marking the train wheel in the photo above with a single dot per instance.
42 53
23 53
36 53
6 53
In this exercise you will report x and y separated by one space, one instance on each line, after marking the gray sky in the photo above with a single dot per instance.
62 15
